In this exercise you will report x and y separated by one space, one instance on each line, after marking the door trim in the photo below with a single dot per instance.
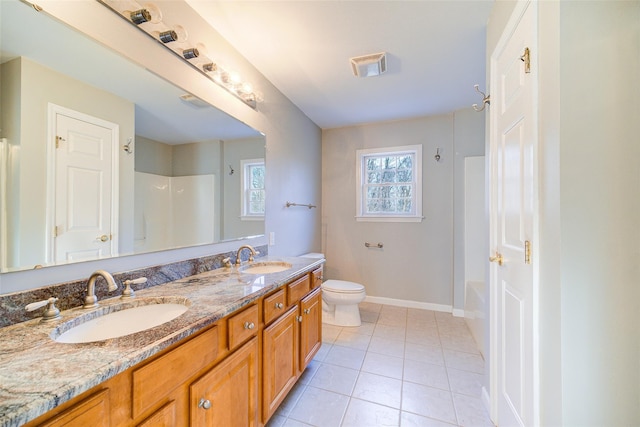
52 111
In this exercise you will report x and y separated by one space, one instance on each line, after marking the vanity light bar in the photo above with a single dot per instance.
148 19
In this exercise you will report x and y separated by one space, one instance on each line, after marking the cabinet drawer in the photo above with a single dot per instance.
274 306
298 289
154 381
316 278
242 326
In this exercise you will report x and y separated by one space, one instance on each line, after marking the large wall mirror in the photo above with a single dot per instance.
101 158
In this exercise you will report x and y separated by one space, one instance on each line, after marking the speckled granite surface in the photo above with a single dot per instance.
71 294
37 373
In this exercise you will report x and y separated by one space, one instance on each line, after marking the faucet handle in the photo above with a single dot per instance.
252 255
51 313
128 292
227 262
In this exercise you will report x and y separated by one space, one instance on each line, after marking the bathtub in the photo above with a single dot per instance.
474 311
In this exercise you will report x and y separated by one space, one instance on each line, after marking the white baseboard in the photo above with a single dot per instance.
457 312
409 304
486 400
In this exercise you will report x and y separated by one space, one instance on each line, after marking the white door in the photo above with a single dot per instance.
85 189
513 145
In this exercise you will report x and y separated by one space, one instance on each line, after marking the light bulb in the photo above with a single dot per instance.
149 13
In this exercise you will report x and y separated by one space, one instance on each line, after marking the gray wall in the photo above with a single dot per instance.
416 264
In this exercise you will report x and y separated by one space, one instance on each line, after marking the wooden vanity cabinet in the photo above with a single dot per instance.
234 373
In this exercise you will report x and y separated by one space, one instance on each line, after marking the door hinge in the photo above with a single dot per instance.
526 58
55 231
527 252
58 140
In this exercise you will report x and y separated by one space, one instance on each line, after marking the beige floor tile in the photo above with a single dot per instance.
381 364
386 346
320 407
389 332
428 402
471 411
424 353
463 361
348 338
401 367
378 389
335 378
309 371
465 382
426 374
346 357
407 419
361 413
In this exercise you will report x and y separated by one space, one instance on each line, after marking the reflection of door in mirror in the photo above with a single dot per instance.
85 193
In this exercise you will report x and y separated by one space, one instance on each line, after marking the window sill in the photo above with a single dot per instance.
252 218
389 218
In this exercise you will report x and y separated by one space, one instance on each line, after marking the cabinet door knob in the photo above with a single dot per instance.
299 319
279 305
306 311
249 325
204 403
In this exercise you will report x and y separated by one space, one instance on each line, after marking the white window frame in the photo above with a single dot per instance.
245 164
416 215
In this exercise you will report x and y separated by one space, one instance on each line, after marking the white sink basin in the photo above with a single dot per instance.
265 267
114 324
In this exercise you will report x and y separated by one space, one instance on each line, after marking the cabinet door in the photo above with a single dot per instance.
279 361
93 411
228 394
310 327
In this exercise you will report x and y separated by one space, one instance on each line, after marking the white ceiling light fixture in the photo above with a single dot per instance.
369 65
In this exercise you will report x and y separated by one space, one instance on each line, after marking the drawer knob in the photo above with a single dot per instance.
279 305
204 403
249 325
306 311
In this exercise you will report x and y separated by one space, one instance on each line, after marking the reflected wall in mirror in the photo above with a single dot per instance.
87 141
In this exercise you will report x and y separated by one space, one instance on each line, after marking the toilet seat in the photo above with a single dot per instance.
342 287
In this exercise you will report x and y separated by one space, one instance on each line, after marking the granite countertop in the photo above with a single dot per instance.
38 373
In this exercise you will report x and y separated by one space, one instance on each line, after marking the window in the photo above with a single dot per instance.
389 184
253 194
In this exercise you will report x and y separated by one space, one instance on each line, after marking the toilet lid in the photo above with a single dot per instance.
342 286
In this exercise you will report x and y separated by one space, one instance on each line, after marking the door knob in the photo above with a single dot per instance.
497 258
103 238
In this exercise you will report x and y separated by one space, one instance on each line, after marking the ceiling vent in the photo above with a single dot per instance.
369 65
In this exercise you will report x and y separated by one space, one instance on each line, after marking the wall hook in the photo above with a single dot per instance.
486 99
437 156
127 147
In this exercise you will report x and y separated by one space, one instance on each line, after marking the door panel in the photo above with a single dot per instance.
513 126
84 190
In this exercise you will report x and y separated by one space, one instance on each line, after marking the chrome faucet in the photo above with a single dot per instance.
253 253
91 300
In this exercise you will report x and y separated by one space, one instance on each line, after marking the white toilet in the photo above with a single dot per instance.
340 300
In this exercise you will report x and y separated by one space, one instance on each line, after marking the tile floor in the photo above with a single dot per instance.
402 367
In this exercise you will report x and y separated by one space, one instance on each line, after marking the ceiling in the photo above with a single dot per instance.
435 53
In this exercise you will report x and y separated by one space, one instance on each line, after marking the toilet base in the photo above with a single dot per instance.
341 314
